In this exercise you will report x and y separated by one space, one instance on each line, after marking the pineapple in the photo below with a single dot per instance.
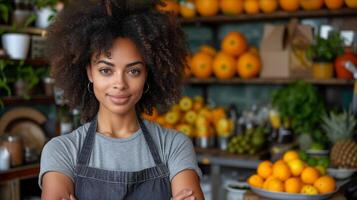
340 129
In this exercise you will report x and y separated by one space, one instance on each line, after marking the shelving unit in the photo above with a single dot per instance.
38 99
271 16
29 30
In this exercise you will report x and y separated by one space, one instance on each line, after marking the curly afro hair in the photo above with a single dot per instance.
86 28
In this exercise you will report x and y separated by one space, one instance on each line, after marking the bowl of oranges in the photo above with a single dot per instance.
291 178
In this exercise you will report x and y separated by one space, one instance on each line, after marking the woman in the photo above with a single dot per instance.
114 60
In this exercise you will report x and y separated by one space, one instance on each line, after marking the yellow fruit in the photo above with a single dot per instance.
187 9
186 103
296 166
256 181
224 127
231 7
161 120
224 66
217 114
266 182
172 117
293 185
309 175
325 184
206 113
309 189
334 4
186 129
203 131
290 155
201 65
175 108
207 8
234 43
275 185
190 117
265 169
289 5
281 171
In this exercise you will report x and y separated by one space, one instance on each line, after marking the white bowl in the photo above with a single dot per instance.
340 173
317 153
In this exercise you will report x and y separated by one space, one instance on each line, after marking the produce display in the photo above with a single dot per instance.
209 8
249 142
291 175
235 58
194 118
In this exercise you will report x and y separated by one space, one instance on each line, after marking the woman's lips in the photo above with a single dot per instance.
119 100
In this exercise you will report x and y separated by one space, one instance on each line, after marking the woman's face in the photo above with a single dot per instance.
118 78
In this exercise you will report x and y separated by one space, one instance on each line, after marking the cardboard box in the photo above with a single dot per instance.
282 51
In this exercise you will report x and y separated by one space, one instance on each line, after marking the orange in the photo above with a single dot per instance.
207 8
208 50
206 113
268 6
169 6
187 9
198 103
248 65
311 4
251 6
325 184
224 66
351 3
296 166
309 175
161 120
309 189
256 181
231 7
290 155
234 43
217 114
275 185
289 5
154 115
265 169
279 162
281 171
266 182
293 185
333 4
201 65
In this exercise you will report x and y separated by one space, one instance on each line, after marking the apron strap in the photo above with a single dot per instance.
150 142
86 151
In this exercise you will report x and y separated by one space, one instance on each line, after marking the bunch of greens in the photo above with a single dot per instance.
326 50
300 104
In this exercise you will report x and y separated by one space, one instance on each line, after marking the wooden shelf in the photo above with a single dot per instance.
22 172
29 30
265 81
36 62
40 99
276 15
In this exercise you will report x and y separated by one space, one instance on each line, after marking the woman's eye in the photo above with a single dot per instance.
105 71
134 72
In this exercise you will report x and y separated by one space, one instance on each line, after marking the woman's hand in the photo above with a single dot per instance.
185 194
71 197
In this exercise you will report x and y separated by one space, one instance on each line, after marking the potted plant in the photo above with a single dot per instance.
5 8
45 12
16 43
27 78
4 81
323 52
301 108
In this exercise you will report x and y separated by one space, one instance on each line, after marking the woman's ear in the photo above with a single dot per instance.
89 73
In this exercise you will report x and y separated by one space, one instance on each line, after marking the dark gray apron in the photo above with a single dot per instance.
98 184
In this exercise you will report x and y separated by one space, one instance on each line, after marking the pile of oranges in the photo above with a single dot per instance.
291 175
207 8
234 58
195 119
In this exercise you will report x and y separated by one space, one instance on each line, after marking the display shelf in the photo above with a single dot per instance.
218 157
33 62
271 16
38 99
265 81
29 30
22 172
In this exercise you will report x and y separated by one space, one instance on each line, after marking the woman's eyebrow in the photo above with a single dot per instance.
104 62
135 63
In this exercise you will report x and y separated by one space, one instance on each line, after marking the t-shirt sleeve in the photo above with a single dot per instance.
182 156
56 157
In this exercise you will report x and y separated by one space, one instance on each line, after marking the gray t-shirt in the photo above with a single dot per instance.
129 154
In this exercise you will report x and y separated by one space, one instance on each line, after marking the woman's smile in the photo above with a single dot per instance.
119 99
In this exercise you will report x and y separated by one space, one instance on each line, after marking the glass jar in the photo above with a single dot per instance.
13 143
